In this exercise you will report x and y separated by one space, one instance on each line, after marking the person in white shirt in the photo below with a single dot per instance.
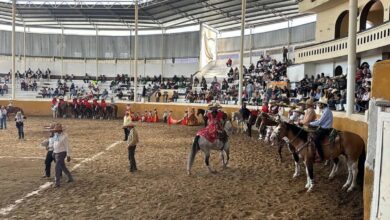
19 119
3 118
49 145
61 150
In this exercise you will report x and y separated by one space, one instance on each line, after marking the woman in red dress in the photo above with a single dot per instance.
214 123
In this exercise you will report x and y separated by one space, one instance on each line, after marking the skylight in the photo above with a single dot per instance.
90 3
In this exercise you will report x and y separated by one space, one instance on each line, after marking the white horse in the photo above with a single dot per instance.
221 144
237 117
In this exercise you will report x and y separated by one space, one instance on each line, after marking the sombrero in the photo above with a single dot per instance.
282 104
272 102
57 127
293 106
309 102
323 100
215 105
302 102
61 97
299 111
334 90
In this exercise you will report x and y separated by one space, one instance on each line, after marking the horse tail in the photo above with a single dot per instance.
195 148
361 162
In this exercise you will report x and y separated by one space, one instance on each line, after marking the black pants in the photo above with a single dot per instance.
133 164
127 132
249 125
49 159
320 135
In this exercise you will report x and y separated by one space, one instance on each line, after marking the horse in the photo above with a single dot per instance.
62 109
262 121
239 119
344 143
221 144
111 111
202 112
13 110
97 112
85 112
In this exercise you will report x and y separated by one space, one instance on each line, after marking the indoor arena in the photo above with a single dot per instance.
194 109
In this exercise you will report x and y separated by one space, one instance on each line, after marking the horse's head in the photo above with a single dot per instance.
228 128
223 136
279 132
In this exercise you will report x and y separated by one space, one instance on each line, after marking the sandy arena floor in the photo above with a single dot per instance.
255 186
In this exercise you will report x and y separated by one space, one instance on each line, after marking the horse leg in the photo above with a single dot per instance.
334 169
223 159
310 175
296 162
207 161
349 179
227 152
354 175
280 146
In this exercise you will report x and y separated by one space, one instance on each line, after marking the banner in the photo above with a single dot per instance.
208 49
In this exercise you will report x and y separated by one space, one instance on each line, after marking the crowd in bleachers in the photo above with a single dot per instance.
257 86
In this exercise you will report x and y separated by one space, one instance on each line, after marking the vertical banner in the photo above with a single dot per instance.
208 49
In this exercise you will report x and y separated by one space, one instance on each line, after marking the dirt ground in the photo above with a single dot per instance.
255 185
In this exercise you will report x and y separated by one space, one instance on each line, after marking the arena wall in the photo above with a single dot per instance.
355 124
380 91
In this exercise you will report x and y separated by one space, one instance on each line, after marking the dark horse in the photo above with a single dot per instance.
63 109
13 110
339 143
204 115
111 111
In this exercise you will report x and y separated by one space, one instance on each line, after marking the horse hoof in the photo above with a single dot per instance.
310 190
188 173
350 189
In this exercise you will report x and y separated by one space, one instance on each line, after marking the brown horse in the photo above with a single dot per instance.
13 110
344 143
263 120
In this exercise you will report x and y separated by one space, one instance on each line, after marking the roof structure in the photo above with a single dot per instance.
223 15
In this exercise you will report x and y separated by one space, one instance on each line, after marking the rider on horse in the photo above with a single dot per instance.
103 104
215 118
95 104
325 122
86 104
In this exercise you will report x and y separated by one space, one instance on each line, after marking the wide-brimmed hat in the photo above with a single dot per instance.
334 90
323 100
293 106
299 110
309 102
61 97
302 103
282 104
57 127
272 102
214 105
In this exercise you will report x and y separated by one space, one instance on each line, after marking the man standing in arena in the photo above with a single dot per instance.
126 122
62 150
132 142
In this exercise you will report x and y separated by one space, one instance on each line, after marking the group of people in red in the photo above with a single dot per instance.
148 116
81 102
189 118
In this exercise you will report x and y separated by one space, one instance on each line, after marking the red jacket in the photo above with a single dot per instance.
265 109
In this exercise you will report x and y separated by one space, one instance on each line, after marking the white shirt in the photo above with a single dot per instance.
61 144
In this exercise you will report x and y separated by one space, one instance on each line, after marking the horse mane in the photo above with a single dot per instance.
297 131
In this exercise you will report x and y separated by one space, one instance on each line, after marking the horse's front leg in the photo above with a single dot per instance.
226 150
354 176
310 175
349 179
335 168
